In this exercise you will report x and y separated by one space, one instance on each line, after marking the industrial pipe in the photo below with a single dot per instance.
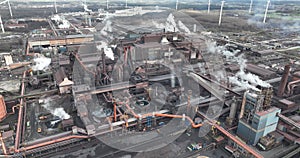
163 115
284 80
85 68
239 142
243 105
290 88
19 125
3 145
51 142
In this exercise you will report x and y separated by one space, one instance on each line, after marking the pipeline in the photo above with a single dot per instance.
240 143
288 120
51 142
3 145
290 88
81 63
19 125
243 105
284 80
41 140
163 115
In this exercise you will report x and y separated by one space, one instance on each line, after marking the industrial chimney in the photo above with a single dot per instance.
283 81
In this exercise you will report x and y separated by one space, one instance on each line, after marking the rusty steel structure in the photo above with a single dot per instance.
132 85
283 81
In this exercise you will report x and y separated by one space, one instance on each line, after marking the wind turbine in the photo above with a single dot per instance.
208 7
221 11
55 6
107 4
87 14
266 12
9 7
176 7
126 4
10 12
250 8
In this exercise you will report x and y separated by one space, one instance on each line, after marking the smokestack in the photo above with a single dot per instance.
208 7
232 113
266 12
283 81
221 11
250 8
10 12
243 105
233 108
55 6
1 23
176 5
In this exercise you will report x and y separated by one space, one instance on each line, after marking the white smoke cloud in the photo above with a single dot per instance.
86 8
107 28
41 63
183 27
108 51
170 25
241 78
59 112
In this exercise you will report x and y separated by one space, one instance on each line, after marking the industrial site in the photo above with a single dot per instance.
150 79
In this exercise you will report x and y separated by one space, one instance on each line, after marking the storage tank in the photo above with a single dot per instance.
2 108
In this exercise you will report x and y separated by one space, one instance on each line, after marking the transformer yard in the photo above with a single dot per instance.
149 80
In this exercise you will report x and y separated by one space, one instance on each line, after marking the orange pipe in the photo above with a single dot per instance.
240 143
115 112
52 142
80 62
18 133
3 146
164 115
13 110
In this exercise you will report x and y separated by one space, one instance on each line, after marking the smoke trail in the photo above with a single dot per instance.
108 51
241 78
41 63
107 28
183 27
59 112
171 24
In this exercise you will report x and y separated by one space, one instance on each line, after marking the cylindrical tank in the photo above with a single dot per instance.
2 108
233 108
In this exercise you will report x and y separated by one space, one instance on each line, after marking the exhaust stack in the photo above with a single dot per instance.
283 81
